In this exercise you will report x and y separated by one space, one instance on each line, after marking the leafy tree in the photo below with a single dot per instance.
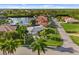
29 39
3 47
22 31
3 21
32 22
47 31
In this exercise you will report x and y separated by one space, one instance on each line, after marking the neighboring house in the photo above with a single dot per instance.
7 27
42 20
35 29
69 19
32 30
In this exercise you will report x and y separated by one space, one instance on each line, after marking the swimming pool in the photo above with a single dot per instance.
21 20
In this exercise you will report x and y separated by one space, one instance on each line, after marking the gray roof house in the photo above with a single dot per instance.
35 29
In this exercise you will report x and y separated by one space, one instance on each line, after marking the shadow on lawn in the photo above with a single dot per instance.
62 49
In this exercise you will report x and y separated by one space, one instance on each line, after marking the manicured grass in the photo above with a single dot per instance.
75 39
54 43
71 27
54 39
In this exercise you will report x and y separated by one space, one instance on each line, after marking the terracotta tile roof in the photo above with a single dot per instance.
69 19
42 20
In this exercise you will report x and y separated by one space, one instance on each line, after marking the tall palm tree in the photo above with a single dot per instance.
39 45
12 45
8 43
9 46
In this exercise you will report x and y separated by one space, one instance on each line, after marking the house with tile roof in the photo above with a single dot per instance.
42 20
68 19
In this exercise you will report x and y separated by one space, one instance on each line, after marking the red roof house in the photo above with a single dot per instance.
42 20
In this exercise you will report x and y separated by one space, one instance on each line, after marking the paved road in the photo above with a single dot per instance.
68 43
27 51
50 51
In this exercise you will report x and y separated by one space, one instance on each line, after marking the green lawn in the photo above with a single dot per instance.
54 40
54 43
72 28
75 39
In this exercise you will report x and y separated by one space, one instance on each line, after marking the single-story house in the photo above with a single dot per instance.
68 19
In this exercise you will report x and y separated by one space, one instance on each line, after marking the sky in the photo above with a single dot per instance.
37 6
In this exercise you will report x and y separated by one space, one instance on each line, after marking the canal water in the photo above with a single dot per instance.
20 20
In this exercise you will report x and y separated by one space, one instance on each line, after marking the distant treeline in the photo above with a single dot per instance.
32 12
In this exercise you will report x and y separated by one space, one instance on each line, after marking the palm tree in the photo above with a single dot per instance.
3 48
9 46
12 45
39 45
9 43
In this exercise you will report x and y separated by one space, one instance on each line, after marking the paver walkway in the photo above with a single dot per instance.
68 43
